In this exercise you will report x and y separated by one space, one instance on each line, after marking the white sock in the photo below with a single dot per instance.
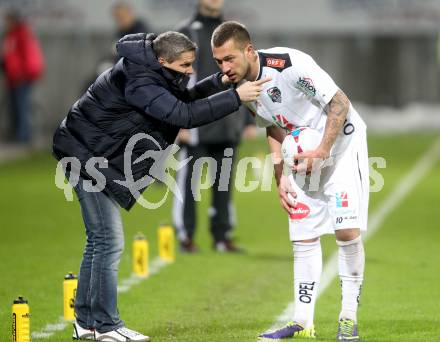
351 272
307 266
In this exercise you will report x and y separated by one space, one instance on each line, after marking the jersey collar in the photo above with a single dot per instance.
260 62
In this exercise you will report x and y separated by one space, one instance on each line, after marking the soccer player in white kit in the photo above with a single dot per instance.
302 94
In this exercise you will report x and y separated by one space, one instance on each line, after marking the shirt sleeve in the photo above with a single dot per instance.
307 77
262 123
159 103
259 121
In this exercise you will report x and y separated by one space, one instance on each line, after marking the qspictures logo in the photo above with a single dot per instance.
163 165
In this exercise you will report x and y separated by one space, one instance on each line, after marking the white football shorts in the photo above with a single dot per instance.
335 199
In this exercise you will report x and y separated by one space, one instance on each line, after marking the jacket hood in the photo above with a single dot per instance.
138 48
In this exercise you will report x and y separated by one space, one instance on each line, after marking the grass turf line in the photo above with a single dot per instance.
212 297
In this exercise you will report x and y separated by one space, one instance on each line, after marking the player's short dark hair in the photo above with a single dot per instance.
230 30
170 45
122 5
14 14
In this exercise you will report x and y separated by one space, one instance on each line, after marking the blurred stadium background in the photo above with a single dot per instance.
382 53
385 54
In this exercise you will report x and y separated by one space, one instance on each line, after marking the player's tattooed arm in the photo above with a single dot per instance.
337 113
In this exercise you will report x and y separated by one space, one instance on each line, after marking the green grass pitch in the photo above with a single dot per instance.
215 297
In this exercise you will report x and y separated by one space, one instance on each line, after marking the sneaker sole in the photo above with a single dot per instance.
83 339
267 339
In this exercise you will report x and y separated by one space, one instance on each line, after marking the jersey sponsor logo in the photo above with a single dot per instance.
341 199
282 122
275 94
306 291
300 211
306 85
275 63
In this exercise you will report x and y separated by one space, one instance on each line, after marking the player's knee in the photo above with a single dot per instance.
306 247
347 234
306 241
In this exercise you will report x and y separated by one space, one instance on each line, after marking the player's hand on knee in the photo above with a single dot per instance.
250 91
287 194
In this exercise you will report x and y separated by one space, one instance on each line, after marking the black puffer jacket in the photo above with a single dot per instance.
137 95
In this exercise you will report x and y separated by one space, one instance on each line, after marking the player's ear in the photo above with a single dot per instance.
161 60
249 49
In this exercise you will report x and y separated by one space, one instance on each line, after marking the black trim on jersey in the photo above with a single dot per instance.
265 56
359 168
260 57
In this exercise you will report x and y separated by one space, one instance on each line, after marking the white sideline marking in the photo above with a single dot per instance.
126 284
401 190
51 329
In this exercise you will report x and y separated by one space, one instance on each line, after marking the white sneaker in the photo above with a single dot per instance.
81 333
121 335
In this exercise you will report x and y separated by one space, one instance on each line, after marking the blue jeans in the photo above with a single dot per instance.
96 297
20 108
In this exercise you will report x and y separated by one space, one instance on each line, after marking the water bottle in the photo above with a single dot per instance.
140 255
166 242
20 320
70 285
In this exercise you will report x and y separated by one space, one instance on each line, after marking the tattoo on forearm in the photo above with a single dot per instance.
337 113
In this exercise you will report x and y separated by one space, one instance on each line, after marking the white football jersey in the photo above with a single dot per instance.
298 95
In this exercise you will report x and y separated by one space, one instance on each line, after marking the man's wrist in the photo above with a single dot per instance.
237 96
278 175
287 171
324 150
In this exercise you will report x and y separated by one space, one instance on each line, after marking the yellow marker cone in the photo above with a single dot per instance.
20 321
70 285
140 255
166 242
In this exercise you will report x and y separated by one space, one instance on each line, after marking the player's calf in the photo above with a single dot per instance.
351 261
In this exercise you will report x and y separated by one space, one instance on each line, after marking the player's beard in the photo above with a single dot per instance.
247 74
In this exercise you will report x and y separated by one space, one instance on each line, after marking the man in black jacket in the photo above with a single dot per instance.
126 20
144 93
215 140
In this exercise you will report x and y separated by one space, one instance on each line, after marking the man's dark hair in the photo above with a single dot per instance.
170 45
230 30
122 4
14 14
